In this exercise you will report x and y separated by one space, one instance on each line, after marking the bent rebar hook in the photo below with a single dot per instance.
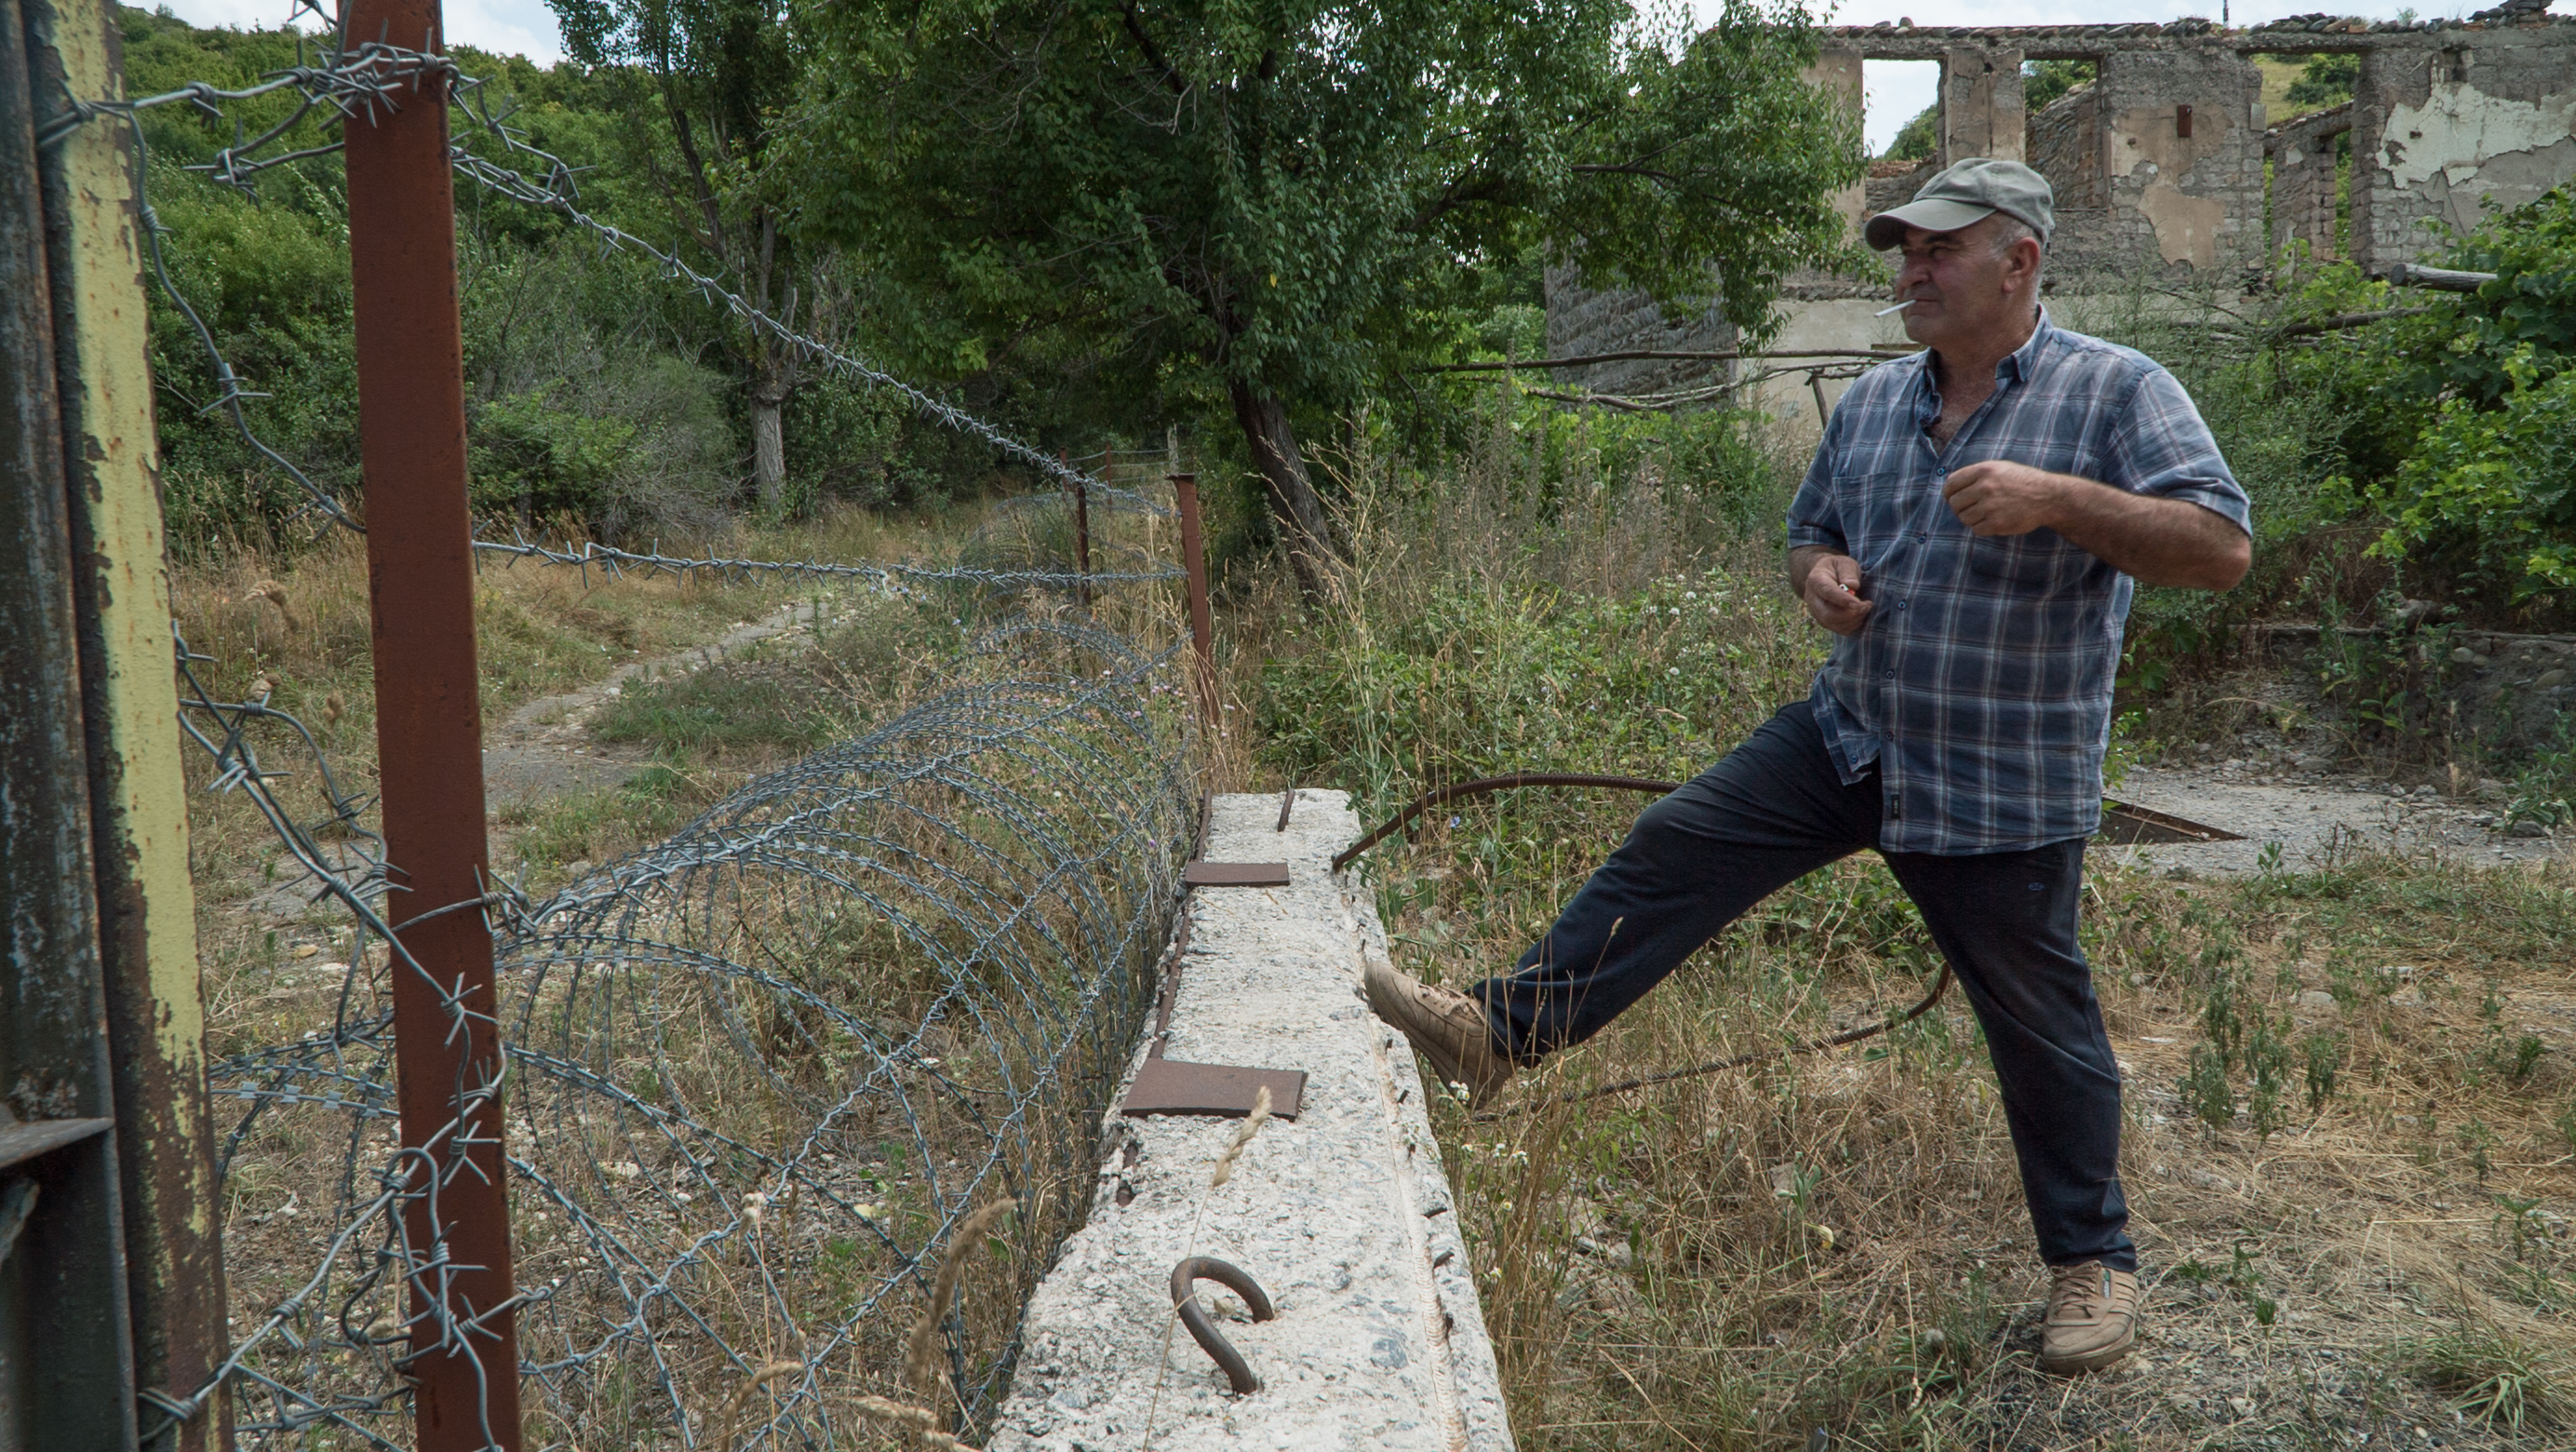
1185 1300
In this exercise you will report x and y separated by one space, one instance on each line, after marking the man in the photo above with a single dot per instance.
1970 532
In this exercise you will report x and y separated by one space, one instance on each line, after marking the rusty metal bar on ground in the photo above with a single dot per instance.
137 783
1185 491
1185 1300
66 1370
2129 818
411 422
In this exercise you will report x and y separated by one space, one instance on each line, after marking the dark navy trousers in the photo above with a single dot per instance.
1775 810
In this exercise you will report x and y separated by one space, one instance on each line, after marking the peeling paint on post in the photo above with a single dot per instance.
420 569
130 708
66 1378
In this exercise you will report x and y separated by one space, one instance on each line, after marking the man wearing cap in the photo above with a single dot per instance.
1971 531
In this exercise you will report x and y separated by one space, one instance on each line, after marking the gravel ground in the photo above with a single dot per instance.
2315 818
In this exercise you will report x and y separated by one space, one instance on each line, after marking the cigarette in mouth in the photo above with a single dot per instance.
1900 307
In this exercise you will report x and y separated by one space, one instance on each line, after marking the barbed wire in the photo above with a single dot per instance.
759 1072
613 562
353 84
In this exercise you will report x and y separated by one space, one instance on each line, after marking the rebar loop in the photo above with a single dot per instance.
1185 1302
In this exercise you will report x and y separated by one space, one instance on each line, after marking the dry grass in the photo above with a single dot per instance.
1839 1242
753 1064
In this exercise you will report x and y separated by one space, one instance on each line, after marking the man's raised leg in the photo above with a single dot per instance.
1772 811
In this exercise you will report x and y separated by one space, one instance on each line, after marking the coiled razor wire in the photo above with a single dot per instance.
755 1077
758 1073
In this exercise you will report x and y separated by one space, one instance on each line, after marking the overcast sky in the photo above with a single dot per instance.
1896 90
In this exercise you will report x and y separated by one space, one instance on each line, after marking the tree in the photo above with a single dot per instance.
1281 206
719 72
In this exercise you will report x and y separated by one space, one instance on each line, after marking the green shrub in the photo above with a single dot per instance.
2494 489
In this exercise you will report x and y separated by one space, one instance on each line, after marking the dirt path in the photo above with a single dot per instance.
543 750
2314 819
539 752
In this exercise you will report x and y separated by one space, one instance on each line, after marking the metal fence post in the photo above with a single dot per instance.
1081 534
137 784
66 1371
411 426
1185 493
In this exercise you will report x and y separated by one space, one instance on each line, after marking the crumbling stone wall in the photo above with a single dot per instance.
2065 146
1582 322
2303 179
2160 162
2444 129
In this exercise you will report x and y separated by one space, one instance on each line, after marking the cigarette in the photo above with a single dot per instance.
1900 307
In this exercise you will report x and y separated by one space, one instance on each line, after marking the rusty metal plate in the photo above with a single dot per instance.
24 1140
1235 874
1171 1086
2125 825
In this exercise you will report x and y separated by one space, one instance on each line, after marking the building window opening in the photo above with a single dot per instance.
2062 129
2307 153
1901 110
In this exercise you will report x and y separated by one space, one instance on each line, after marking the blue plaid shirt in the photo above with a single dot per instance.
1980 684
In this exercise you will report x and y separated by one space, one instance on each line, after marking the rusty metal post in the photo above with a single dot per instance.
429 729
137 783
66 1368
1185 493
1081 534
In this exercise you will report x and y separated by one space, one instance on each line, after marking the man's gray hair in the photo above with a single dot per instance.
2010 229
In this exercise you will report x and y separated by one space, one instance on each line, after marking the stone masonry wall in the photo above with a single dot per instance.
2472 119
2159 163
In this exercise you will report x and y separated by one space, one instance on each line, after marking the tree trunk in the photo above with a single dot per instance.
769 439
1303 527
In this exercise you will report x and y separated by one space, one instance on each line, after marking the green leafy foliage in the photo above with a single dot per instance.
1918 139
1270 212
2326 80
2044 81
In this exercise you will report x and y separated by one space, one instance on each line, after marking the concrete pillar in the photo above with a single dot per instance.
2185 188
1981 103
1837 73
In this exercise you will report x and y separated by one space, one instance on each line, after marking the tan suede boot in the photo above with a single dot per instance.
1446 1027
2092 1318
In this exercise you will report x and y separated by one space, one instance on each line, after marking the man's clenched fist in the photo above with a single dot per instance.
1832 594
1999 497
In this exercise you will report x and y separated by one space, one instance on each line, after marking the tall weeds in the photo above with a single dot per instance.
1839 1241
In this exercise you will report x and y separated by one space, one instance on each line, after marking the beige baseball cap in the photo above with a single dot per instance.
1966 193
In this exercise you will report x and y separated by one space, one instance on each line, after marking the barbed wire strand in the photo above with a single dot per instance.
760 1072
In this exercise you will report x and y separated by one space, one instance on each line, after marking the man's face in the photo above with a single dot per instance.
1962 288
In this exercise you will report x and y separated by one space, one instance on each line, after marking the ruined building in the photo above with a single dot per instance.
2164 161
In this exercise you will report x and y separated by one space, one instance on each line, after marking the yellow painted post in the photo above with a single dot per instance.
138 788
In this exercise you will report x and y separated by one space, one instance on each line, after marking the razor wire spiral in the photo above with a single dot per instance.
757 1074
754 1077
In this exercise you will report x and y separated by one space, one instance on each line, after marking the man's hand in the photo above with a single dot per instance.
2156 541
1998 497
1830 589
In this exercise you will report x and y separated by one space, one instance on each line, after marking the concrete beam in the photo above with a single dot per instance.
1981 103
1837 72
1344 1217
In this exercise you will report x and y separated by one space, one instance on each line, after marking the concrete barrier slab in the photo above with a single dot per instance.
1344 1217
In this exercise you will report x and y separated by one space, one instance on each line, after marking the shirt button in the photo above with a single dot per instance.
1902 604
1891 675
